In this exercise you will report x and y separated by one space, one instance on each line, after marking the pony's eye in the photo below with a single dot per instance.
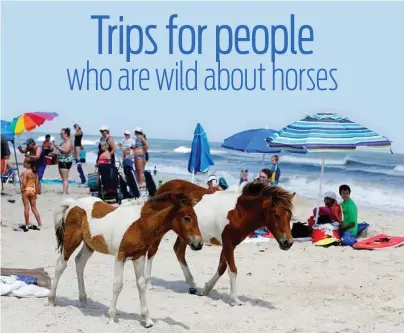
276 215
187 219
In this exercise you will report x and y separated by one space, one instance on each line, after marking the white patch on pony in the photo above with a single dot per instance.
113 226
212 212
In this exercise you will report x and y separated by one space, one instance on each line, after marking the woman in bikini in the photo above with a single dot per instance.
78 136
29 183
65 157
139 152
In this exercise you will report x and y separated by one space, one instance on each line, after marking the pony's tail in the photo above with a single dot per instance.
60 223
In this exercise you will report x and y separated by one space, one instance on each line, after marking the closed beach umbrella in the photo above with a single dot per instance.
29 121
200 158
326 132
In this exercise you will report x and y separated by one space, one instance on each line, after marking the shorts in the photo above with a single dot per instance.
41 171
65 165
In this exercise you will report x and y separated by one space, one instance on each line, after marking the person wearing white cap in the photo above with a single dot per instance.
330 201
213 183
127 141
107 139
140 155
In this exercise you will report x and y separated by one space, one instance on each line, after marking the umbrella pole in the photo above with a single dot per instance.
193 177
263 159
320 190
16 163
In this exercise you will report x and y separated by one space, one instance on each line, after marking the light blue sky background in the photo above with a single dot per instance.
364 41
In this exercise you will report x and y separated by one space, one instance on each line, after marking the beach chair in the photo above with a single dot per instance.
108 183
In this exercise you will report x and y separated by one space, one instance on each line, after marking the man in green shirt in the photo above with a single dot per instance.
349 225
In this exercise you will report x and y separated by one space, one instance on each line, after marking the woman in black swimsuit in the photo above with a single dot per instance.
78 135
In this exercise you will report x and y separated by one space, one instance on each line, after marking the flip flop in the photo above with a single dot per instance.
11 201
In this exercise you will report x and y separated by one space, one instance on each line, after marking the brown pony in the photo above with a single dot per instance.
226 218
125 232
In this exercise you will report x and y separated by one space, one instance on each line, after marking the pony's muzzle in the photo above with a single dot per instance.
195 243
285 244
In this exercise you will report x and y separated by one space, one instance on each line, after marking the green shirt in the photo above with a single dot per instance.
350 215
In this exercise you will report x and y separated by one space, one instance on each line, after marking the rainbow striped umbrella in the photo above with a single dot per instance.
29 121
326 132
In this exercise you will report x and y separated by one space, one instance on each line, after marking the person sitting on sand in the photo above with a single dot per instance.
330 201
213 183
105 155
349 226
29 183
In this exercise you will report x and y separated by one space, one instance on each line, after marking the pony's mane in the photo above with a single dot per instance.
280 196
149 206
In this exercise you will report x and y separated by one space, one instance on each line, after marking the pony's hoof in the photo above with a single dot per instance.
83 301
50 304
51 301
236 302
193 291
148 323
111 321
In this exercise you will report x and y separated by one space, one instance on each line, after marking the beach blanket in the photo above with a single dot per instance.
13 286
42 278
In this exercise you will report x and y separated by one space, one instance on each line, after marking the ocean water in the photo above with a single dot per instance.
376 178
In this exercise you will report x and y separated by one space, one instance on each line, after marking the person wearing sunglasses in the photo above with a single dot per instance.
264 176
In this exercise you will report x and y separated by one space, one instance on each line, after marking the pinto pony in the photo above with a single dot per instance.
225 219
125 232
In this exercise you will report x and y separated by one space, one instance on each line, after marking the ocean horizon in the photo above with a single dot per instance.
376 178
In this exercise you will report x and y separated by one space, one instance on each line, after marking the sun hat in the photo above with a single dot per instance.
127 132
330 195
138 129
212 178
104 128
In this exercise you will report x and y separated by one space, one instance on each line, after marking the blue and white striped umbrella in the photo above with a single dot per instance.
326 132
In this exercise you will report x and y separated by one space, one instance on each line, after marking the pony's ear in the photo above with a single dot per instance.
267 203
293 194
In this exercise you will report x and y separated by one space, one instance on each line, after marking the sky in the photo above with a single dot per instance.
363 41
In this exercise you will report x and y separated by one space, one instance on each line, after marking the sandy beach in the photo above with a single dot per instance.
305 289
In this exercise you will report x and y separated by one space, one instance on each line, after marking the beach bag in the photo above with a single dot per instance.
325 234
92 181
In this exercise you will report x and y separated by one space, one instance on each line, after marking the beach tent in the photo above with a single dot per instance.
200 158
326 132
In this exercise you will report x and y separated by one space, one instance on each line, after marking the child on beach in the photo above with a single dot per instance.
127 159
243 176
349 226
29 183
275 171
105 156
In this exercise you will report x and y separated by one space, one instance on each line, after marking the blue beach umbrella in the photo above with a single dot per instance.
8 134
200 158
326 132
251 141
6 131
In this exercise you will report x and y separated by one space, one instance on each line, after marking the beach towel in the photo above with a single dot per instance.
42 278
12 286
